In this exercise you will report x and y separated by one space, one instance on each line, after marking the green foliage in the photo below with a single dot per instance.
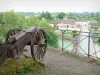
12 67
21 19
10 18
61 15
74 33
96 28
1 16
97 19
32 20
3 31
46 15
44 24
98 40
93 16
68 32
52 39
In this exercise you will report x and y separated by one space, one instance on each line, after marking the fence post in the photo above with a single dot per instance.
89 45
62 40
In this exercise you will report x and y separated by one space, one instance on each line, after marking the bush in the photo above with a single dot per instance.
99 40
52 39
74 32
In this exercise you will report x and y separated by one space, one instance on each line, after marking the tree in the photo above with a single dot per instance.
1 21
10 18
46 15
32 20
21 19
97 19
1 18
61 15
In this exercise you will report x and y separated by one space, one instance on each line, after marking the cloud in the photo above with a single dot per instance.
50 5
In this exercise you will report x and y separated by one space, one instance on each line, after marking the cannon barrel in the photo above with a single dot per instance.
15 37
18 35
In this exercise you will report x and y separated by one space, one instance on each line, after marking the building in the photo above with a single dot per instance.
82 22
95 26
69 24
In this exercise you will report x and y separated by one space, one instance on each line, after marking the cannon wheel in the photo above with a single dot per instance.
38 45
10 33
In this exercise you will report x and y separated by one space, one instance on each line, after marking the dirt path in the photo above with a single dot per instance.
58 63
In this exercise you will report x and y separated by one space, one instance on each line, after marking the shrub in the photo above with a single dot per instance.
52 39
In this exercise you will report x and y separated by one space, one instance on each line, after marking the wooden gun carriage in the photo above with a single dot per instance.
17 39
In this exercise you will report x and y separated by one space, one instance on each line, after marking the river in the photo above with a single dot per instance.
83 49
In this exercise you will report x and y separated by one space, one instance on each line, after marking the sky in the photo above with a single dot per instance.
50 5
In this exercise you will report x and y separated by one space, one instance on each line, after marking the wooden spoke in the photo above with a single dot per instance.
11 33
40 44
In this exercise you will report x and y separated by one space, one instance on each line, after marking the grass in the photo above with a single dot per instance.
12 67
68 32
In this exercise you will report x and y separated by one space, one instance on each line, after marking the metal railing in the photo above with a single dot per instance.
80 48
90 39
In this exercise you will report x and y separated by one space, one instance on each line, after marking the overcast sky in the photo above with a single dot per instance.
50 5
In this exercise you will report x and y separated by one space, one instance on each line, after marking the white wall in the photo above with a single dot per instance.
64 27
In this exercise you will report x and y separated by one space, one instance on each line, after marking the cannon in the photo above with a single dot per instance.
16 39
